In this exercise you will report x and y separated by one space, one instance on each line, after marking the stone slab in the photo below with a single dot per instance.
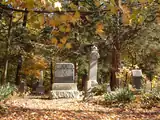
136 73
64 86
64 73
54 94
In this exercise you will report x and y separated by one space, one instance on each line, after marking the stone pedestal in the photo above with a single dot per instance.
64 90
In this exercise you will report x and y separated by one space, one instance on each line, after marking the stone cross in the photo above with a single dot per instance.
93 66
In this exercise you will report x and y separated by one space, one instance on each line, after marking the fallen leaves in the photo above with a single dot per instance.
72 109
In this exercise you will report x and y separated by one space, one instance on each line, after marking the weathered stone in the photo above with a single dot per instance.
64 73
93 67
64 86
137 78
40 88
64 94
22 87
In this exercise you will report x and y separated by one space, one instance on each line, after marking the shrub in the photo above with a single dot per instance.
100 89
6 90
150 99
120 95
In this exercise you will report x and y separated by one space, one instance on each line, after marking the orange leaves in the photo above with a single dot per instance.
97 3
61 43
54 41
68 46
33 64
99 28
126 16
63 40
125 19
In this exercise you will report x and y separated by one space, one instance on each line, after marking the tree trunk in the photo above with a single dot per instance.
19 66
114 82
51 70
4 77
115 65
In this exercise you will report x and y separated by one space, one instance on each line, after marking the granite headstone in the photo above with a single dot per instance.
64 86
137 78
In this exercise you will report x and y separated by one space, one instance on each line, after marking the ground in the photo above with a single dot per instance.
72 109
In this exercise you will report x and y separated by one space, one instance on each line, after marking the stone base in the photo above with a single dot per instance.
54 94
64 90
64 86
94 83
40 90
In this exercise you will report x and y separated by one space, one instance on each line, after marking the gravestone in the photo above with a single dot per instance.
40 88
137 78
64 86
22 87
93 67
34 86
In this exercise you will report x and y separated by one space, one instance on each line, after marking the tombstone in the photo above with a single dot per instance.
93 67
34 86
137 78
40 88
64 85
22 87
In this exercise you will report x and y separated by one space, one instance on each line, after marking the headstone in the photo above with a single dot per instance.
137 78
22 87
40 88
64 86
93 67
34 86
64 73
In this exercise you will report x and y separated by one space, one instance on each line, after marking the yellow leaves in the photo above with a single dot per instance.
41 19
97 3
125 19
73 6
142 1
68 28
54 22
33 64
63 40
54 41
68 46
126 16
75 17
99 28
29 4
61 43
63 18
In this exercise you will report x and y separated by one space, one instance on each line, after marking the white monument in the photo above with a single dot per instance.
93 67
